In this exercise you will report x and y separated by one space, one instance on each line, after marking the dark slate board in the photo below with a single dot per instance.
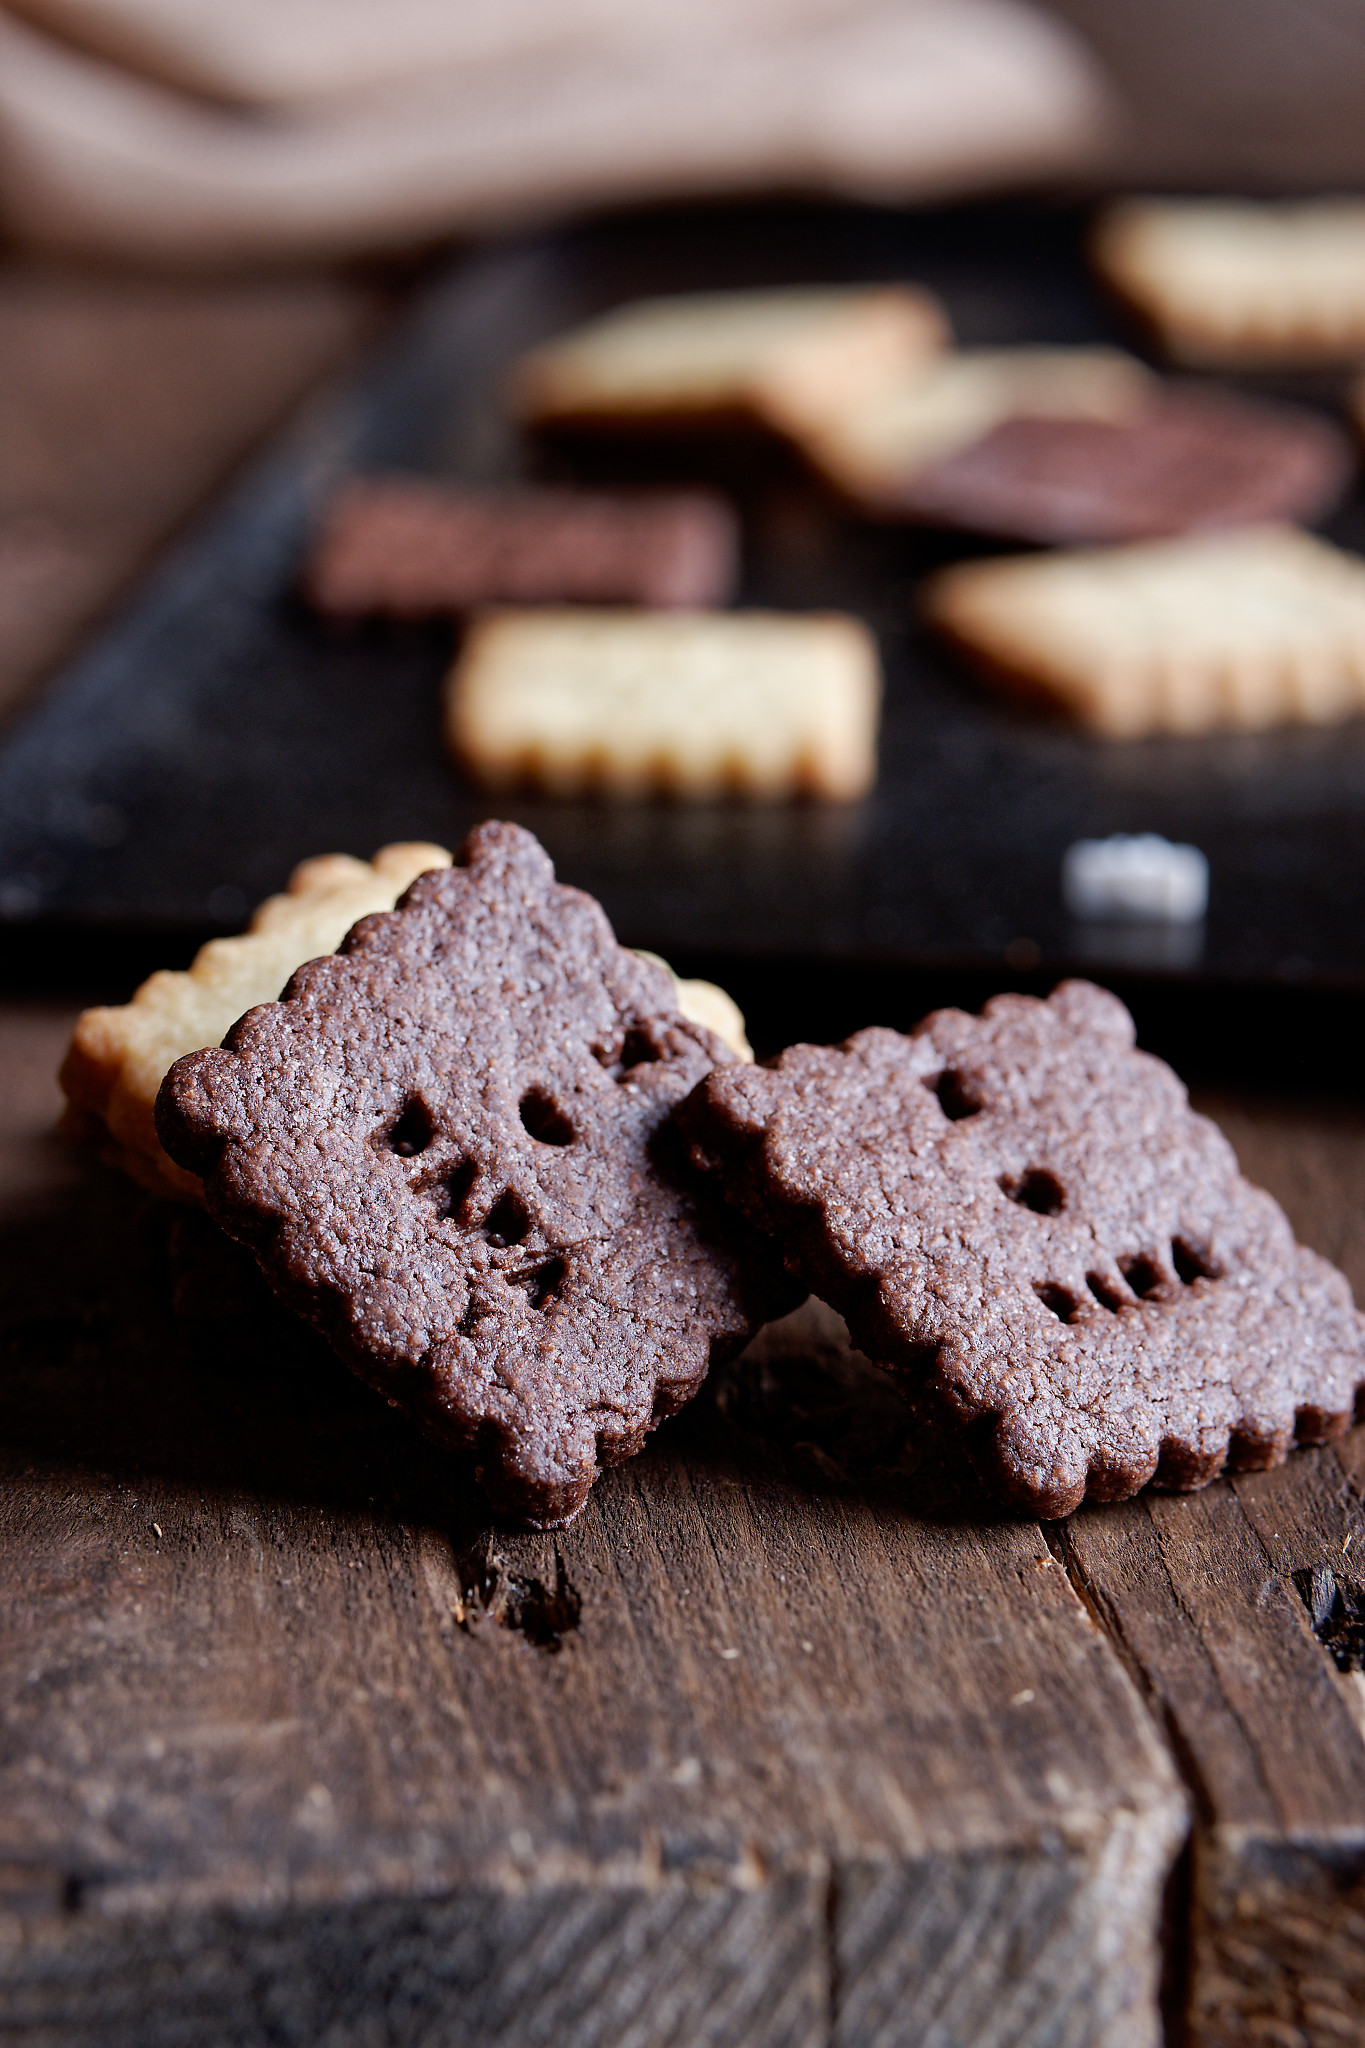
217 734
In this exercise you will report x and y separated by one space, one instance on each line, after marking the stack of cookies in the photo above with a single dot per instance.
513 1175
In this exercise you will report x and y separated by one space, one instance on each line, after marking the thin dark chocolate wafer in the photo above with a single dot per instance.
1184 463
446 1145
1022 1215
405 547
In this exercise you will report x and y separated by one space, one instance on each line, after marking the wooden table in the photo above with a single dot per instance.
784 1742
123 403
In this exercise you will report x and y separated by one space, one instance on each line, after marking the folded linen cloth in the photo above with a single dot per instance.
293 53
889 99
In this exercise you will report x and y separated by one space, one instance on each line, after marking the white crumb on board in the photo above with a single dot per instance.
1135 876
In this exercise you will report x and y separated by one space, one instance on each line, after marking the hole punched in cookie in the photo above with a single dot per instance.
1037 1189
447 1191
638 1049
508 1221
957 1093
1143 1275
1106 1293
1193 1261
541 1284
414 1130
544 1119
1060 1300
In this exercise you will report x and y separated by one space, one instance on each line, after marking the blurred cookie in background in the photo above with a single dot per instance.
867 439
408 548
1241 283
1237 631
771 358
1071 445
1187 462
632 705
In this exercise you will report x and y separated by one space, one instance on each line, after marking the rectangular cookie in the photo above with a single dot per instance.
1073 446
881 433
774 356
446 1146
1241 630
1021 1216
691 704
410 548
1235 281
1189 462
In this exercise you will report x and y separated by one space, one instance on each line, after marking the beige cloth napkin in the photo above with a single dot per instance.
293 53
426 117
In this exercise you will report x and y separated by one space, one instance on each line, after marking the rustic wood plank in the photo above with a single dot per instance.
824 1759
1200 1595
123 403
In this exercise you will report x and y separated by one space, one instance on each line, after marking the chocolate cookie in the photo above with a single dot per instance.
1185 462
444 1144
408 548
1022 1215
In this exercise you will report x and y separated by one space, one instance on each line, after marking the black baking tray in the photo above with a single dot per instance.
217 733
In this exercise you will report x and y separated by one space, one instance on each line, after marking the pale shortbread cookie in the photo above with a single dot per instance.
781 356
1261 627
632 704
1242 282
120 1055
880 433
706 1003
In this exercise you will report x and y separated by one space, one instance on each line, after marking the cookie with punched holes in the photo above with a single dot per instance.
1021 1215
119 1055
447 1146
